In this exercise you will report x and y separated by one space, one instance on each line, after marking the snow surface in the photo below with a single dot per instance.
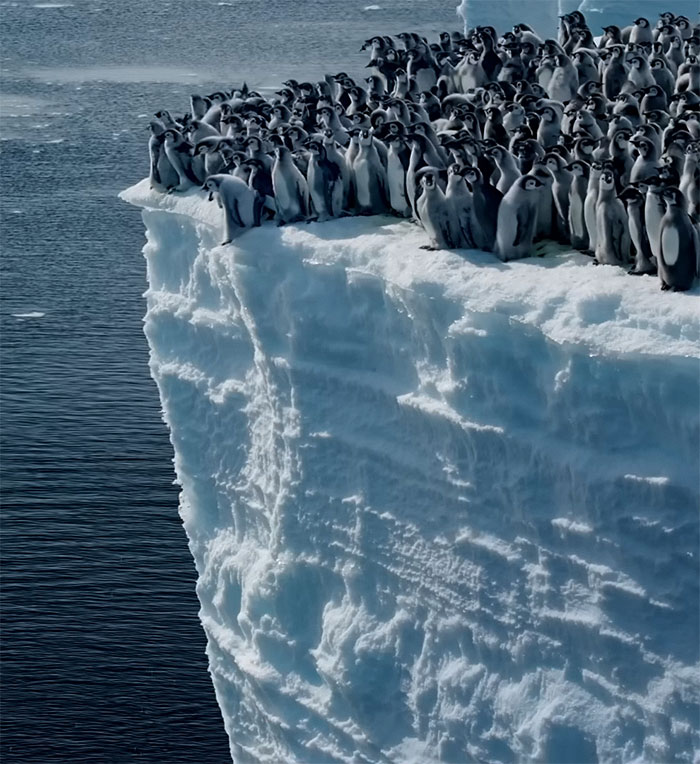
442 508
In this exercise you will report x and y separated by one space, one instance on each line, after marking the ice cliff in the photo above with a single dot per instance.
441 508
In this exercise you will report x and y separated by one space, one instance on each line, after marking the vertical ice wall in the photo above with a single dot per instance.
442 508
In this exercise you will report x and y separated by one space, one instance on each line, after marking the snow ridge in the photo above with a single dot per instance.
442 508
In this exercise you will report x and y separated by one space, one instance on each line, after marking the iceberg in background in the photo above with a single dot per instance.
442 508
542 15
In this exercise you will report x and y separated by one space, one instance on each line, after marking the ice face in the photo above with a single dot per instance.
442 508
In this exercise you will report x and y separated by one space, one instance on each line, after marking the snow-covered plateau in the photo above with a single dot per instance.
442 508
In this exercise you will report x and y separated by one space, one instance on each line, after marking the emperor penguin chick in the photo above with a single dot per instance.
634 201
325 183
460 199
517 219
679 244
612 232
290 188
163 175
369 177
241 204
434 212
563 83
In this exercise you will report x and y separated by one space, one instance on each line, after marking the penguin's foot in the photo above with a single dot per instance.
664 287
429 248
224 243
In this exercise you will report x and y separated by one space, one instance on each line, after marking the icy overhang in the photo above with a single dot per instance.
562 294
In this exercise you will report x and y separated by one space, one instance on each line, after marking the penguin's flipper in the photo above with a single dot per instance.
523 225
235 214
258 204
618 236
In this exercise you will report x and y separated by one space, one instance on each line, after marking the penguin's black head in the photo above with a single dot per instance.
607 178
579 168
631 195
673 197
669 175
530 183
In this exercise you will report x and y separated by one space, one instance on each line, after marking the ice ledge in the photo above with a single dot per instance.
563 294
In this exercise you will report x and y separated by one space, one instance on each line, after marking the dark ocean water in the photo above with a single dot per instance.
102 652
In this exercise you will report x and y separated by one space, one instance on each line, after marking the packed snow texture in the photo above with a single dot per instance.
442 508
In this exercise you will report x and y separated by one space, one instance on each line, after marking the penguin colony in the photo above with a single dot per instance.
488 142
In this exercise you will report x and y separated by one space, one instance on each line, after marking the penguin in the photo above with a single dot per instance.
420 68
639 75
612 231
493 129
615 73
242 205
214 161
620 156
460 201
517 218
641 32
662 75
398 159
290 188
434 212
646 164
369 177
654 210
177 150
577 196
561 188
677 262
690 181
563 83
162 176
487 201
590 204
325 183
549 127
634 199
199 106
507 167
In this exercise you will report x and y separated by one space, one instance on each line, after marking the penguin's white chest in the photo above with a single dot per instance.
396 181
283 194
670 245
362 177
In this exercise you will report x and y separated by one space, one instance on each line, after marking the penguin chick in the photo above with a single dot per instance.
325 182
633 199
290 188
434 212
241 204
612 232
679 244
369 177
517 219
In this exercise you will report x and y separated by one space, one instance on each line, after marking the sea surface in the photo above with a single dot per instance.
102 655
